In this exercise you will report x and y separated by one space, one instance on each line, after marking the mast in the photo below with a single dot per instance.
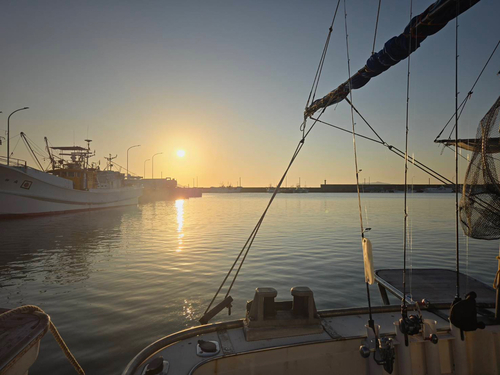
87 156
51 157
23 136
109 159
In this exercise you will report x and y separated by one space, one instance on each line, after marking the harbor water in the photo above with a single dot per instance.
114 281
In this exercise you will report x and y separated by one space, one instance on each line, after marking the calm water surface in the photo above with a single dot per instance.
114 281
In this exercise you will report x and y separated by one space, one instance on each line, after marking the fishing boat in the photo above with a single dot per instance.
433 331
440 189
70 184
225 189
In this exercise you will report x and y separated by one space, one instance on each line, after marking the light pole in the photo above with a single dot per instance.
145 167
8 132
127 157
152 161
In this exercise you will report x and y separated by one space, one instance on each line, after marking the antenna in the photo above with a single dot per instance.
109 159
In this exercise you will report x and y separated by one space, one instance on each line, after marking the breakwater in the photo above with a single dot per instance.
343 188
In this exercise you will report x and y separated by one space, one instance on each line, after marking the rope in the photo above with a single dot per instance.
314 87
469 94
12 153
376 27
431 172
366 122
395 151
53 330
248 244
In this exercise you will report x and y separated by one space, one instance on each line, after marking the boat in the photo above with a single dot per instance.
430 332
300 190
225 189
441 189
69 185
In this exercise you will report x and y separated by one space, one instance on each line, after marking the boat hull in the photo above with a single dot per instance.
28 192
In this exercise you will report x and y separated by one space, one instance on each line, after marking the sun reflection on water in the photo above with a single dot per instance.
179 205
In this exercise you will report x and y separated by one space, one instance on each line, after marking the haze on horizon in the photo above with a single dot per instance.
227 83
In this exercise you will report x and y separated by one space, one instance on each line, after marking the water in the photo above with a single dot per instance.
114 281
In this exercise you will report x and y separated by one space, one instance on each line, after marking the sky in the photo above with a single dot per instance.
227 81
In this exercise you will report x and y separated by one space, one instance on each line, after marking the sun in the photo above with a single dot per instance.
181 153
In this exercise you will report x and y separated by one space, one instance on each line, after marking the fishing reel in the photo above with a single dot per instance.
410 325
383 351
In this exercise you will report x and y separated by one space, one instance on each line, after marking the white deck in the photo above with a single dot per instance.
346 333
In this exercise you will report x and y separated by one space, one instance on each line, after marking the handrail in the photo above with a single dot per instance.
173 338
13 162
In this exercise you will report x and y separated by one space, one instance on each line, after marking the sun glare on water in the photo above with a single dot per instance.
181 153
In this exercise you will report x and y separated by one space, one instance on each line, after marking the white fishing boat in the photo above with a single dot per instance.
69 185
433 331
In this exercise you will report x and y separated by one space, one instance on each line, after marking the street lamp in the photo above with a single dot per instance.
127 157
8 132
152 160
145 167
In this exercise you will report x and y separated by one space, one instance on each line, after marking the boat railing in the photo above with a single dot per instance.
13 162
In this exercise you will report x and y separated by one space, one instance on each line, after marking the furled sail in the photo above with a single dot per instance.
480 205
398 48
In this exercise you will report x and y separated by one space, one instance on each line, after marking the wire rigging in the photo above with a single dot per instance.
314 87
469 94
376 27
248 244
303 128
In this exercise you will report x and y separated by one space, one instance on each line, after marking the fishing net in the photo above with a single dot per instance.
480 204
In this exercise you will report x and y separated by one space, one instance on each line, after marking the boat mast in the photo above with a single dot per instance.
23 136
51 157
109 159
87 156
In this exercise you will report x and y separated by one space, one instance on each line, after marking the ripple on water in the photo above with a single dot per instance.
114 281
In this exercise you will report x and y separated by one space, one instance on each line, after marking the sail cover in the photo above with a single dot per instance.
398 48
480 204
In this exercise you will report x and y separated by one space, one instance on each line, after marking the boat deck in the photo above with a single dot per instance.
335 349
183 358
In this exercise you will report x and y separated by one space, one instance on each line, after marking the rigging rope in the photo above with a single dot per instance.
376 27
32 153
394 150
370 321
248 244
314 87
481 202
469 94
12 153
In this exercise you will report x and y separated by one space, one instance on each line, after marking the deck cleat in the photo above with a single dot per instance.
158 366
